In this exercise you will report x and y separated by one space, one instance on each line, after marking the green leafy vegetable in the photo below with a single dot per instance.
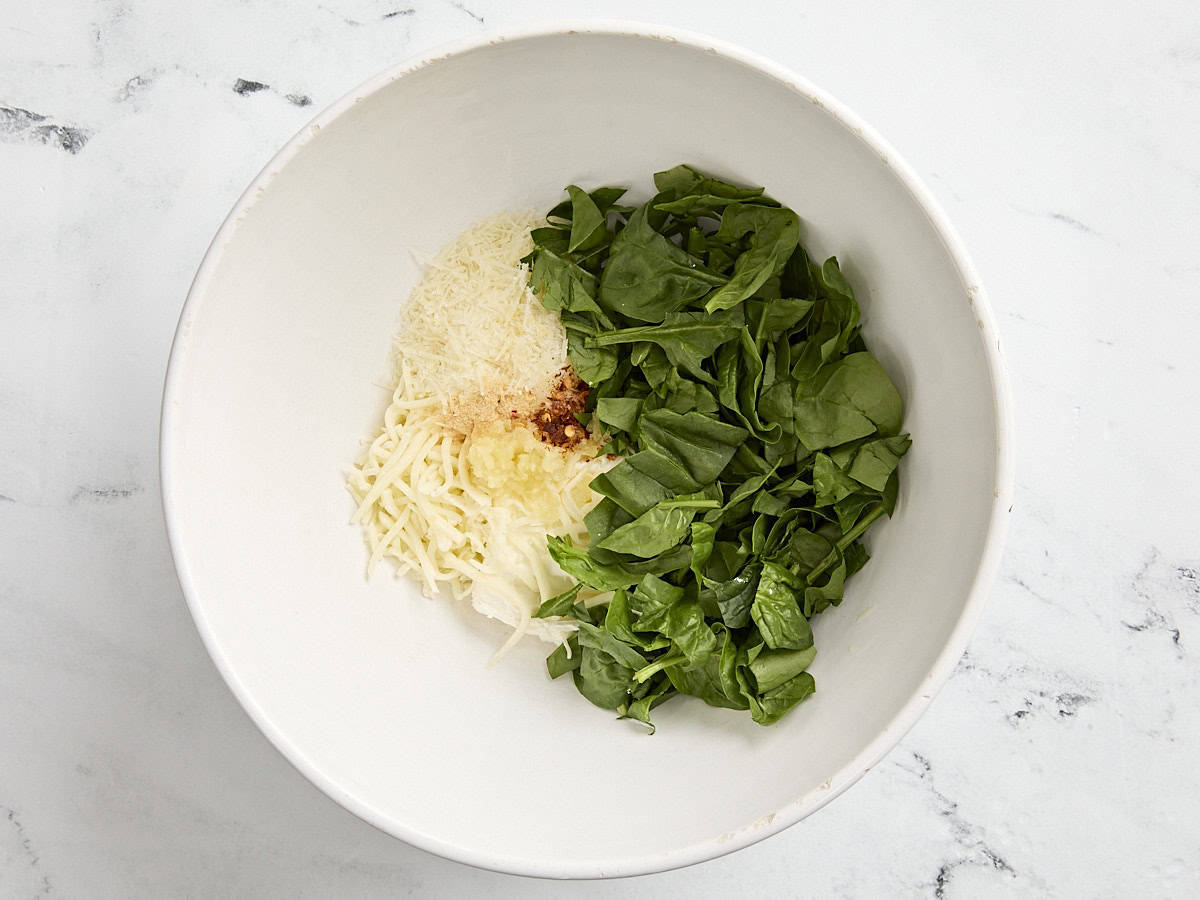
760 440
774 233
620 413
564 659
703 540
852 389
657 529
768 707
647 276
772 668
777 613
687 338
587 221
560 605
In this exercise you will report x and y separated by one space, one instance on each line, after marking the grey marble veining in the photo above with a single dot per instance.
1060 758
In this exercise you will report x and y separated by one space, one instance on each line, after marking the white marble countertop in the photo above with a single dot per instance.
1060 759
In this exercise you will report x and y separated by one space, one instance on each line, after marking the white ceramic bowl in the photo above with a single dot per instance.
381 697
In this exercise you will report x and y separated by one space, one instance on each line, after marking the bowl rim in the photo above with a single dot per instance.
935 678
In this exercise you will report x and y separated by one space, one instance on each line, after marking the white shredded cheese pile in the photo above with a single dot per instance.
473 333
454 488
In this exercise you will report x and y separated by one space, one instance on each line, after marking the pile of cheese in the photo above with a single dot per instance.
456 488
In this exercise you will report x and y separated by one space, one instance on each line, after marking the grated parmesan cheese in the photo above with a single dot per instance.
472 332
455 488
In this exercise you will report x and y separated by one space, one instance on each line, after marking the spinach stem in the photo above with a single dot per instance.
845 541
646 672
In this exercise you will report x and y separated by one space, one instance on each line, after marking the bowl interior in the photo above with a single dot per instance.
385 698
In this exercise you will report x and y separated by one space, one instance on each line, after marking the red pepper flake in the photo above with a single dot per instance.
554 421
